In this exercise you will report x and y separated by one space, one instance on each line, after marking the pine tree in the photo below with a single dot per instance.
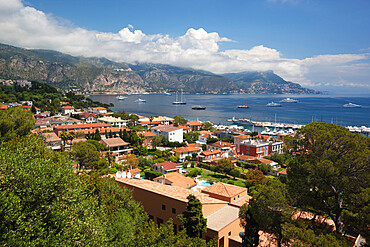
194 222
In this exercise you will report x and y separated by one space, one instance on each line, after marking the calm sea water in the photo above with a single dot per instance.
219 108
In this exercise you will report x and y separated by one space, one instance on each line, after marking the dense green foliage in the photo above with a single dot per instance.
331 173
15 122
250 237
192 219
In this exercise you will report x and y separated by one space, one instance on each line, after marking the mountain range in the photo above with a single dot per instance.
100 75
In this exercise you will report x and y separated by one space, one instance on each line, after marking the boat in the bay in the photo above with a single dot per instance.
289 100
177 102
167 94
198 107
351 105
273 104
139 100
120 97
243 106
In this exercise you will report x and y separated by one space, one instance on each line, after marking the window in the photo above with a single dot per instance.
174 210
163 207
159 221
229 234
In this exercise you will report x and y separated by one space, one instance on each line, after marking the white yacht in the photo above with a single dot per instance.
140 100
273 104
351 105
289 100
120 97
177 102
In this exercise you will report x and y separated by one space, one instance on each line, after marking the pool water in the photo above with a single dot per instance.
204 183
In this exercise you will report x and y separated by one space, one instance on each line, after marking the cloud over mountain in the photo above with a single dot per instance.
28 27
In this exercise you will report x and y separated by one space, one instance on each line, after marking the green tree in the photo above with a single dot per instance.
97 136
192 219
178 120
235 173
206 126
250 225
264 168
125 136
253 178
330 170
64 136
15 122
224 166
270 208
86 154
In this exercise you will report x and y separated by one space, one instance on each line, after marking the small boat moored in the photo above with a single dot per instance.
351 105
289 100
120 97
198 107
140 100
273 104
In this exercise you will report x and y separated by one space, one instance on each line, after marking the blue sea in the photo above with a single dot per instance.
219 108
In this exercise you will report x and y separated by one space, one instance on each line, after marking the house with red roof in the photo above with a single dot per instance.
227 148
194 125
240 138
80 127
186 151
167 166
99 110
209 156
171 133
175 179
68 110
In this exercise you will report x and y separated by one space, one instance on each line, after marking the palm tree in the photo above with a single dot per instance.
141 139
64 136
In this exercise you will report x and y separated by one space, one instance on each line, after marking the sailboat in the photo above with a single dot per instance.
181 102
243 106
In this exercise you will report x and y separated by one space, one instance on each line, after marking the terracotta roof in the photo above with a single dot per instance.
186 149
203 132
147 134
246 157
99 108
194 123
114 142
184 127
242 137
86 115
83 126
264 137
193 145
283 172
68 107
149 123
165 128
222 144
210 152
3 107
222 189
51 137
173 192
245 199
168 166
265 161
177 179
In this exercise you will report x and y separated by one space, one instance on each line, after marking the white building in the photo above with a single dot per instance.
276 147
171 133
99 110
68 110
117 122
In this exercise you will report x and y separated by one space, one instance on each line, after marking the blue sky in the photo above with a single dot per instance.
320 44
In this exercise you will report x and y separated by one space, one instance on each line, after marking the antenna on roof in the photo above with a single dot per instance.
118 174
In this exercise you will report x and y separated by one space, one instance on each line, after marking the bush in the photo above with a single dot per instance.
194 173
148 174
230 182
113 170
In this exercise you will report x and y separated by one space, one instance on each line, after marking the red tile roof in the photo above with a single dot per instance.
210 152
242 137
173 192
165 128
99 108
149 123
68 107
265 161
194 123
226 190
82 126
186 149
176 179
168 166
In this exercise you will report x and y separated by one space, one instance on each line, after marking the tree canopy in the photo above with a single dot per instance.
331 172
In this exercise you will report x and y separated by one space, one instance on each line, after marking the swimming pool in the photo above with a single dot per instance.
204 183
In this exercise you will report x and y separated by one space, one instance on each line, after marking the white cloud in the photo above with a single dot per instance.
27 27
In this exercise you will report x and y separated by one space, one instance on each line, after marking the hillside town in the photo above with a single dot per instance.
163 160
